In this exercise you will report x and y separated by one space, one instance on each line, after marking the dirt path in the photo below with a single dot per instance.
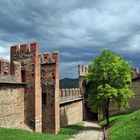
91 131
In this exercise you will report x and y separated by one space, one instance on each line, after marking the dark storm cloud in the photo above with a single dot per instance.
79 29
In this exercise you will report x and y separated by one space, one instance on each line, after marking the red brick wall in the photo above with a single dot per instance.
10 72
50 92
28 56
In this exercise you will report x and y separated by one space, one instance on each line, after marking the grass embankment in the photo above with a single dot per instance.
17 134
124 127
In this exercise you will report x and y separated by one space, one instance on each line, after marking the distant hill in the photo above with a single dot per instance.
69 83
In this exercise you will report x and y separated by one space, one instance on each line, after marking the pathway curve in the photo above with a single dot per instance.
91 131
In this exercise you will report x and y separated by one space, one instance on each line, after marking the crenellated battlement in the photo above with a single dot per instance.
32 69
4 67
24 48
82 70
10 72
55 56
135 72
69 94
28 50
47 57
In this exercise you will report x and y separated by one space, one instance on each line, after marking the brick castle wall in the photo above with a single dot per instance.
133 102
71 106
31 82
82 71
69 94
27 55
10 72
71 113
39 76
11 105
50 92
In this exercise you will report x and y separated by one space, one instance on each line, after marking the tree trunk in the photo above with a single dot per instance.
107 112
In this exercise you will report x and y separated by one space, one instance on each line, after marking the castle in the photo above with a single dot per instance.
30 97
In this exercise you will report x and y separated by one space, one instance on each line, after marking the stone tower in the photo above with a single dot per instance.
27 55
50 92
82 70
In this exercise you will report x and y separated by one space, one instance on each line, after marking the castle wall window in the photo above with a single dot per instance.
43 98
23 76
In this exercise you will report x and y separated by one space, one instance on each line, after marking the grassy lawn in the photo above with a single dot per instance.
124 127
17 134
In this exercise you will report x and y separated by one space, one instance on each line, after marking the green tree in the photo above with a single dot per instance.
108 80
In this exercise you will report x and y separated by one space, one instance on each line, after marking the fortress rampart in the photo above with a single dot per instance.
10 71
71 106
30 96
69 94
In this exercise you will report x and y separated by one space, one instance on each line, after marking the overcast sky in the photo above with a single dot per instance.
79 29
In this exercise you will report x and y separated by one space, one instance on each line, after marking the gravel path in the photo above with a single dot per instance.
91 131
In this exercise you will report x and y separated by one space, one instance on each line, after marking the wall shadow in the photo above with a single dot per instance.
89 115
63 117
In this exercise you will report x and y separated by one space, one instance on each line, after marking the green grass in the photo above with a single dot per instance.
17 134
124 127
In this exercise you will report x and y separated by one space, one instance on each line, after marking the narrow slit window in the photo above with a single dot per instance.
43 98
23 76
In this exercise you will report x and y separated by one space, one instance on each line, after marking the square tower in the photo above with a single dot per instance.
50 92
27 55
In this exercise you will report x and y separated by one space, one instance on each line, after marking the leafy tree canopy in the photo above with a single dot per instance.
109 78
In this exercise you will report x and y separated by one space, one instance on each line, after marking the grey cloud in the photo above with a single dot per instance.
79 29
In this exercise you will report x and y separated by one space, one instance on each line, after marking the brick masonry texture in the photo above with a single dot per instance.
11 105
27 55
71 113
71 110
39 77
30 96
50 93
10 72
69 94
